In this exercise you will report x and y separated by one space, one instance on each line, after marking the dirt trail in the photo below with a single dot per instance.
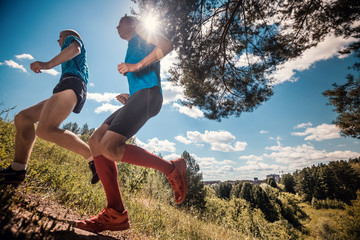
34 216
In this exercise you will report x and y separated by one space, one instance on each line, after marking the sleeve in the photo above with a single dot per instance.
70 39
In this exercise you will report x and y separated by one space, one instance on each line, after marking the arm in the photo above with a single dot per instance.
65 55
163 46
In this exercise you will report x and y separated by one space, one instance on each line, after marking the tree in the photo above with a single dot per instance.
228 50
289 182
196 189
223 190
346 100
236 189
246 192
271 181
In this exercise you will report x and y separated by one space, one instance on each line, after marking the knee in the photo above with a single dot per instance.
21 119
112 150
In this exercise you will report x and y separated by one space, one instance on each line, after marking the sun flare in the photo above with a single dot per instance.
151 22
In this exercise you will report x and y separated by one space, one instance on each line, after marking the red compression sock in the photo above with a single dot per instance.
138 156
107 171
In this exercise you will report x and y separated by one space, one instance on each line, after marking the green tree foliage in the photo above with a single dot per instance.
196 190
223 190
236 189
346 100
289 182
336 180
228 49
271 181
246 191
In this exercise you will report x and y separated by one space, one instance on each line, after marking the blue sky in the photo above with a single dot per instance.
290 131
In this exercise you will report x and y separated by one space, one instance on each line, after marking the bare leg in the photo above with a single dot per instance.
95 139
25 131
55 111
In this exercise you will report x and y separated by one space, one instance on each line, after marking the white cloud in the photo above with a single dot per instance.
13 64
156 145
251 158
305 155
91 84
320 133
102 97
324 50
218 140
212 168
303 125
263 132
50 71
24 56
183 139
171 92
172 156
193 112
107 107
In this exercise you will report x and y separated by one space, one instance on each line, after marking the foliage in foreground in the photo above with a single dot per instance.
149 199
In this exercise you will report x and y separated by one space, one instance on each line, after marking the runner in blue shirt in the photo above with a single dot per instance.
68 96
142 68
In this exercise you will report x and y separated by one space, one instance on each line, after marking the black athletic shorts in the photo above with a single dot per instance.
140 107
75 83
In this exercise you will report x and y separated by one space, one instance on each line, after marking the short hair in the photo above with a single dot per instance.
131 19
71 32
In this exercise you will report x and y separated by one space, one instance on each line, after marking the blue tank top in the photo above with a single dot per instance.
78 65
147 77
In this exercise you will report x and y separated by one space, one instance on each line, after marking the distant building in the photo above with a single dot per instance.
274 176
256 179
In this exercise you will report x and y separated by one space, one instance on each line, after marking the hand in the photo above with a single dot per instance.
124 68
123 98
37 66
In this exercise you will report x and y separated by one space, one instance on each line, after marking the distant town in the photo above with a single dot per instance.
256 181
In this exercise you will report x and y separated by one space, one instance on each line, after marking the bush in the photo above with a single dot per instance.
327 203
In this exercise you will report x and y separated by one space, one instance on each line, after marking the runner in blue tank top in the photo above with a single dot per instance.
142 68
69 95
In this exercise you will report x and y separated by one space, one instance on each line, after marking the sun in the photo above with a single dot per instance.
151 22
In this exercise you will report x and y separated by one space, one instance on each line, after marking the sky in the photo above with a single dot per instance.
291 131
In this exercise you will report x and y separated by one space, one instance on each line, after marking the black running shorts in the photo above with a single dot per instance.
140 107
75 83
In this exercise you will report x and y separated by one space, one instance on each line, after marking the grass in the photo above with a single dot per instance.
64 176
321 222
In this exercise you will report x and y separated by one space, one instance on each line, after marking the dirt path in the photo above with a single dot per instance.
34 216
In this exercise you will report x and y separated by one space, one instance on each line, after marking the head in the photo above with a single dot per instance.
64 34
127 26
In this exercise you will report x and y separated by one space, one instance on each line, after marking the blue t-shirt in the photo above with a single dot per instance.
78 65
147 77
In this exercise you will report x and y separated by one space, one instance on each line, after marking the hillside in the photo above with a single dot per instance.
57 191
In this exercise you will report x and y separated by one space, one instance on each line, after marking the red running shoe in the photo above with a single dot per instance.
177 179
108 219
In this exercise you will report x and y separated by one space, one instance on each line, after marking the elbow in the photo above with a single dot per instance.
76 51
168 47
